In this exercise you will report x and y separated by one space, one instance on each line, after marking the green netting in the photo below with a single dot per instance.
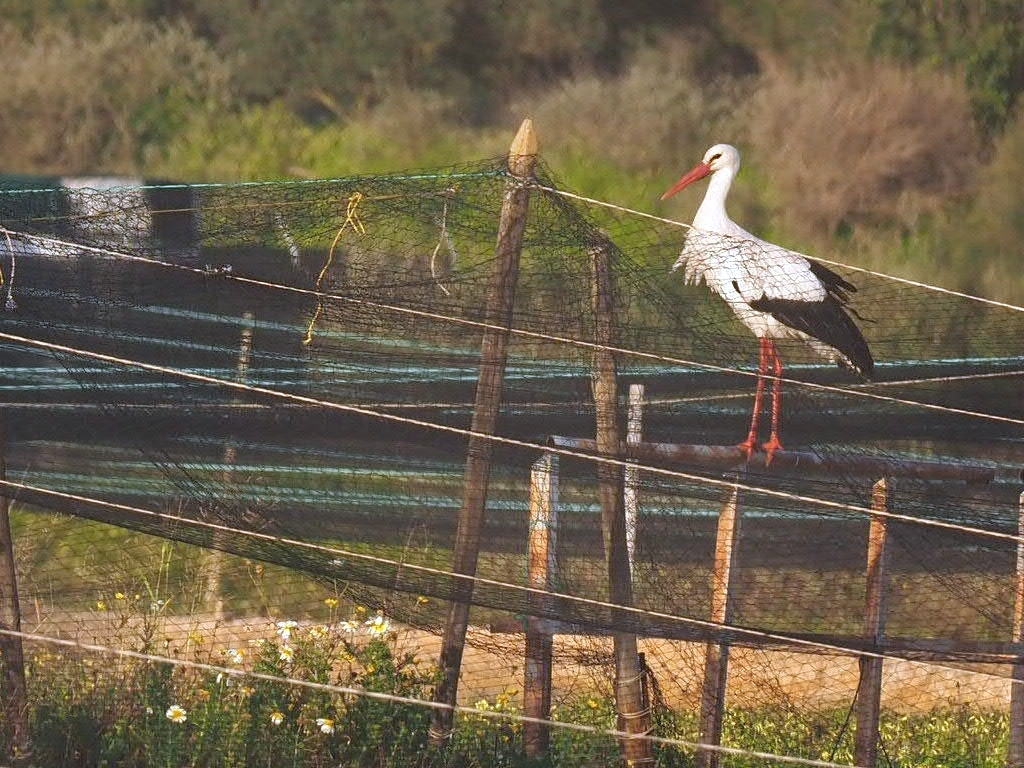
286 372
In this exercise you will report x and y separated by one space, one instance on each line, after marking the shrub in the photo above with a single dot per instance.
73 104
626 138
258 143
985 242
868 144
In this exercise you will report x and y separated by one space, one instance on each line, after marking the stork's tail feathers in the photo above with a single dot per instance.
856 357
847 340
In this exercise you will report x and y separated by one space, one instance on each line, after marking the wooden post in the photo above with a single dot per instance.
869 697
1015 745
522 159
216 561
716 656
13 659
634 436
540 553
630 703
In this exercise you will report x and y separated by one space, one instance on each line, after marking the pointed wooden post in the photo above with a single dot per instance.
1015 746
869 697
716 655
540 554
522 159
630 699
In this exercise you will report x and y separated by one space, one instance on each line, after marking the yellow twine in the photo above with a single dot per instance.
352 221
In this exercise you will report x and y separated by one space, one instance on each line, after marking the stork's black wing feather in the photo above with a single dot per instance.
826 321
834 283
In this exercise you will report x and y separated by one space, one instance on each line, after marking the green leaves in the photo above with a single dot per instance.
985 39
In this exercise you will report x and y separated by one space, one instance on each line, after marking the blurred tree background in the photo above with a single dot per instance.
885 132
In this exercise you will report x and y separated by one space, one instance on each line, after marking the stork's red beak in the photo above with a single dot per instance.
699 171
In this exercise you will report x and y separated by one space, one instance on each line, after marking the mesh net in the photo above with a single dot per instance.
285 372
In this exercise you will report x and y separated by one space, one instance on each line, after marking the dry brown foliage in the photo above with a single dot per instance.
653 118
870 143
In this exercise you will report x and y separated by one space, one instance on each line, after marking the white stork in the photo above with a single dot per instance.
775 292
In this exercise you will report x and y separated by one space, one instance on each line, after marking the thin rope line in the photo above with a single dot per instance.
343 690
863 270
750 634
948 379
829 388
469 433
668 400
496 172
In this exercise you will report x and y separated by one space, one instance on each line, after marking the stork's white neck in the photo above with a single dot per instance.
711 215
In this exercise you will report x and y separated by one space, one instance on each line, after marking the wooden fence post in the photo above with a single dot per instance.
630 700
869 697
11 651
522 159
1015 745
540 553
634 436
716 658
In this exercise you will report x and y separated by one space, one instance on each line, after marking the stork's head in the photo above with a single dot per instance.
721 157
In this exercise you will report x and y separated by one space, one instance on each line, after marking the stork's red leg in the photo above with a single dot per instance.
750 443
774 443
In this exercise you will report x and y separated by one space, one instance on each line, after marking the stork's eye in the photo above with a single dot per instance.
715 156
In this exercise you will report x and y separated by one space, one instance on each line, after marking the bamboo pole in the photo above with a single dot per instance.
869 696
522 159
540 552
630 701
716 656
11 652
217 558
634 437
1015 745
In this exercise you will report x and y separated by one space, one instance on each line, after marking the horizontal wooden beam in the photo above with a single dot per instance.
726 457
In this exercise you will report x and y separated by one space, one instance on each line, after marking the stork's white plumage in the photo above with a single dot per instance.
775 292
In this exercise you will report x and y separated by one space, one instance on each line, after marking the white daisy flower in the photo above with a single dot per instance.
378 625
284 628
